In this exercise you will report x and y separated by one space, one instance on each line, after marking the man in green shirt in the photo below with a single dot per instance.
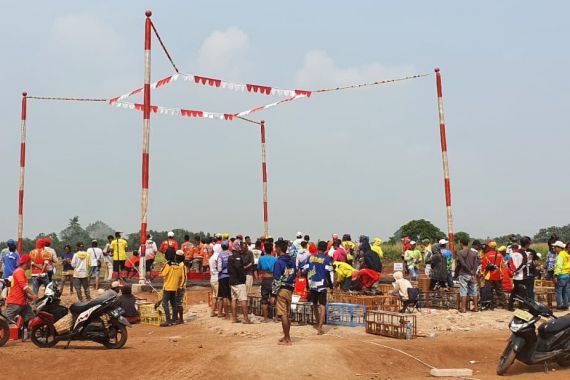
412 257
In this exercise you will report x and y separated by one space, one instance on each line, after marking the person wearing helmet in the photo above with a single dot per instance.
170 242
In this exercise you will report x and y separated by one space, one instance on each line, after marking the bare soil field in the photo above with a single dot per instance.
208 348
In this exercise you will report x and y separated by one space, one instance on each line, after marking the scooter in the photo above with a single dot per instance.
551 345
99 320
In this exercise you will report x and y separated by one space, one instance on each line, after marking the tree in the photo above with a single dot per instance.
544 233
418 230
461 235
74 233
99 230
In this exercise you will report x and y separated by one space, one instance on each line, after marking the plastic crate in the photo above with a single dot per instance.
390 324
384 302
153 319
346 314
386 289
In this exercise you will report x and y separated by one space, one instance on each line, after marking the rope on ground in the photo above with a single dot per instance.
402 352
67 99
164 48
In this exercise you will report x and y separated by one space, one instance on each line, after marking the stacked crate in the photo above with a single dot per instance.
439 300
151 316
390 324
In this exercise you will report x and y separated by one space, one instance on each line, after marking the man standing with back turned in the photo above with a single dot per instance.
282 289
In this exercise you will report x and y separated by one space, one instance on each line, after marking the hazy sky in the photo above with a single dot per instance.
360 161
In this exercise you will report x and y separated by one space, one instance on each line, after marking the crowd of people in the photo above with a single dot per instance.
485 272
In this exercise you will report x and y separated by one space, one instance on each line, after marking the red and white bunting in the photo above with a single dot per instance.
202 114
218 83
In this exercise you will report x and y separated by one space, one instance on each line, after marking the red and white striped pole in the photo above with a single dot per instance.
264 178
446 181
146 138
22 172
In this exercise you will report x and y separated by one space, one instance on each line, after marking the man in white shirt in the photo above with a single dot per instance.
108 259
149 256
212 262
96 258
518 266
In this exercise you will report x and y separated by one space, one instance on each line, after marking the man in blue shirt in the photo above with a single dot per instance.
320 276
282 288
10 258
265 266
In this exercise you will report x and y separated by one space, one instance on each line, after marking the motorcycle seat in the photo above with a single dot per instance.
554 326
80 307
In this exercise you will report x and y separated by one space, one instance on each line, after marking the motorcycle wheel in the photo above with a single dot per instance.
43 336
4 332
564 361
117 336
507 358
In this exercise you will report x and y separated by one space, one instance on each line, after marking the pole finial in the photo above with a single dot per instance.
24 94
436 69
148 13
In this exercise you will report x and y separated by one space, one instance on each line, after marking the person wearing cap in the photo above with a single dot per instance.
119 248
181 292
96 256
518 266
10 258
224 289
412 257
41 259
492 267
81 264
173 276
170 242
116 286
20 293
561 274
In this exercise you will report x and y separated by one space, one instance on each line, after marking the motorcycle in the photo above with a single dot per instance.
551 344
4 321
99 320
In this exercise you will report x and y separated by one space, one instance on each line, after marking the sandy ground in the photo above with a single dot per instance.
208 348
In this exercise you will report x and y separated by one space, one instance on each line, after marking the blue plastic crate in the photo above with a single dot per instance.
345 314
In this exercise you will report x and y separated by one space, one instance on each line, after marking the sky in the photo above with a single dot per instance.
361 161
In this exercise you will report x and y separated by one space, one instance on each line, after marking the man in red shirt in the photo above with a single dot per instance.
169 243
20 293
492 266
368 279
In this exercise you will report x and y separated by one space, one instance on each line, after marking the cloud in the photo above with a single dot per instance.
319 69
224 53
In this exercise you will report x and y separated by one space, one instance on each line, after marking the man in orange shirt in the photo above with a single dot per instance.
492 266
197 255
188 248
169 243
20 293
41 261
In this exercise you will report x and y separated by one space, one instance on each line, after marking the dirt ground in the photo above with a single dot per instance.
208 348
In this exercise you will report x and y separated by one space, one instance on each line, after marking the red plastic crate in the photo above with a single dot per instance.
14 330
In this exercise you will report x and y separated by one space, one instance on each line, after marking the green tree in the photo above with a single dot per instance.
99 230
74 233
544 234
418 230
461 235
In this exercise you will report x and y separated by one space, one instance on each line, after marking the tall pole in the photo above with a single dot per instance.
22 172
146 137
446 181
264 177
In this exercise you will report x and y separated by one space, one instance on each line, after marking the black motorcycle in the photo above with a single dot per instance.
551 345
100 320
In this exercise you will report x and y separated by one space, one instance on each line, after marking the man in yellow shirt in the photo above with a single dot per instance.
561 274
119 248
343 275
173 275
